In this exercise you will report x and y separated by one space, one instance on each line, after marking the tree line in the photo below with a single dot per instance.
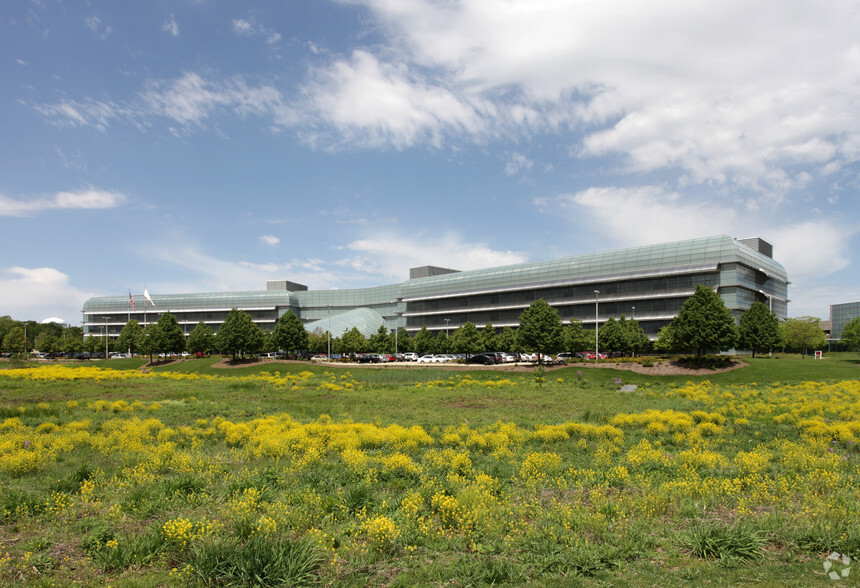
703 325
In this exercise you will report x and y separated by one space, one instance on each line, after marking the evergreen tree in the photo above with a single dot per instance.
289 333
758 328
540 329
704 323
850 335
201 339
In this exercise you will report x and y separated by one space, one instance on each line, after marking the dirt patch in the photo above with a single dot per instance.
661 368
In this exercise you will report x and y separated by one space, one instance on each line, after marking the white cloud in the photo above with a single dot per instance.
39 293
88 199
248 28
377 104
723 92
625 217
518 163
270 240
391 255
242 26
171 27
94 23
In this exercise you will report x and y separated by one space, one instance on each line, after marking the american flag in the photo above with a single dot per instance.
131 299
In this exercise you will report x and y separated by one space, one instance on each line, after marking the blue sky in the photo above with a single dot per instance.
203 145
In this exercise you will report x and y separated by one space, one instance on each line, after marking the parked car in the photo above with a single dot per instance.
482 358
366 358
429 358
262 355
410 356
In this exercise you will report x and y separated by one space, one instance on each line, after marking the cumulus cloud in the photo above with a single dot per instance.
270 240
88 199
762 97
376 104
39 293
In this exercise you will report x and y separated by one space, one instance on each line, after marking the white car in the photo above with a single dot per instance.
429 358
410 356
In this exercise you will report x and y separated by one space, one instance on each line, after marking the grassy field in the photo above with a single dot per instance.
294 474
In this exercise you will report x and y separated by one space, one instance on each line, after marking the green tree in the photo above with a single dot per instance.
379 341
613 336
290 333
467 340
353 341
758 328
442 343
850 336
13 342
541 329
804 333
665 339
130 338
47 342
239 335
423 342
318 341
637 340
490 338
404 342
201 339
507 340
73 340
169 337
6 325
577 338
704 323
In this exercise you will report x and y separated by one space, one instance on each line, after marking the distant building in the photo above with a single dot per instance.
840 314
647 283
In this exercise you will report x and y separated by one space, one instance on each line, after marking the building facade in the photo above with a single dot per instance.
840 314
647 283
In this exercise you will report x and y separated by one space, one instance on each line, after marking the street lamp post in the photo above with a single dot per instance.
328 306
396 327
633 314
596 325
106 337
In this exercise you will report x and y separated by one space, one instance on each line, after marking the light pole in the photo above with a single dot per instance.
106 337
328 306
397 314
633 314
596 325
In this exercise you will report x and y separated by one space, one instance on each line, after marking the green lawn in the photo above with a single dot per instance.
337 475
